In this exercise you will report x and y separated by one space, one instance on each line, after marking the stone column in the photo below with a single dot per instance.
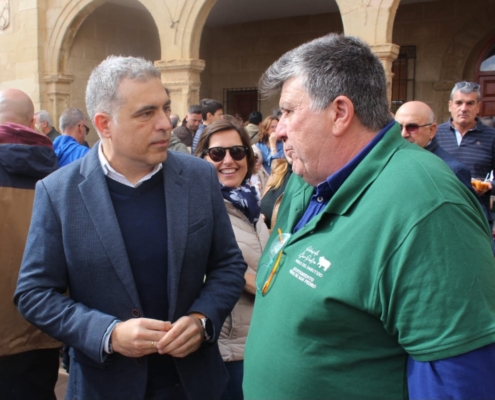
182 78
443 89
58 92
388 53
373 21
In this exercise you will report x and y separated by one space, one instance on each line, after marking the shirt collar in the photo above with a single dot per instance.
474 128
117 176
330 186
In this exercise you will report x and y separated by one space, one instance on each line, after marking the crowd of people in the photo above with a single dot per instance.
310 254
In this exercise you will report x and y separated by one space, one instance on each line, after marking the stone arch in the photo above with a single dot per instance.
73 15
373 21
179 24
459 58
370 20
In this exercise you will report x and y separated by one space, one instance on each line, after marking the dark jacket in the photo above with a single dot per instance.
458 168
53 134
25 157
75 241
184 135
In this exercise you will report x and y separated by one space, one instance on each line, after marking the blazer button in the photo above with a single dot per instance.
139 361
135 313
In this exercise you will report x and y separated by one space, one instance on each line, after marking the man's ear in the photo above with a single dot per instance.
433 130
342 114
102 123
208 116
31 124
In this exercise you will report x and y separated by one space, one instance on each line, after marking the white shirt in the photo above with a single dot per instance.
117 176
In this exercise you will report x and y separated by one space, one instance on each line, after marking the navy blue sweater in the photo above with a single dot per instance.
142 217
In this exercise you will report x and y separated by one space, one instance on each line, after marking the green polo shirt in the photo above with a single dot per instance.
399 263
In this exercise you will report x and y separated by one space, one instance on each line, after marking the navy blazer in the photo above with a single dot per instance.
75 244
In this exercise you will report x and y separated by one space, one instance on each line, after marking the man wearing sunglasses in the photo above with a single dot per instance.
69 146
417 124
468 139
385 287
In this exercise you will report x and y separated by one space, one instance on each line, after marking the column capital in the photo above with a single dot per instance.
389 51
58 78
191 64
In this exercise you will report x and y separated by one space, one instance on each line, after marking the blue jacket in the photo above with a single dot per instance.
68 149
75 243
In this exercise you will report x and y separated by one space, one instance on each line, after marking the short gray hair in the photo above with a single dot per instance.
71 117
466 88
331 66
44 116
102 89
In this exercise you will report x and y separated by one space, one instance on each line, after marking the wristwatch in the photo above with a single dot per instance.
110 348
207 329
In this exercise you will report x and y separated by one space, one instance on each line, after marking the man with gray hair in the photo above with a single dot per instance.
468 139
69 146
43 124
366 292
152 270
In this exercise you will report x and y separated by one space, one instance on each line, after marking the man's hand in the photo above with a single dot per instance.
139 336
184 338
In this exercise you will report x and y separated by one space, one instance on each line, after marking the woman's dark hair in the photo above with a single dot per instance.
221 126
264 127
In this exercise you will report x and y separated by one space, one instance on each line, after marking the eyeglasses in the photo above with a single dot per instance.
470 85
267 271
217 154
412 129
85 127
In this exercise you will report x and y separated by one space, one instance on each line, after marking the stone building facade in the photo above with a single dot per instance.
49 47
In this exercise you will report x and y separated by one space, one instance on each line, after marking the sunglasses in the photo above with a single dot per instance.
217 154
469 85
413 128
85 127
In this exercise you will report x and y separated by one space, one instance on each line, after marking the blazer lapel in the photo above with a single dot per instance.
177 204
94 192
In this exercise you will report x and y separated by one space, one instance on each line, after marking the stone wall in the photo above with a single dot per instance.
110 29
448 36
237 55
19 64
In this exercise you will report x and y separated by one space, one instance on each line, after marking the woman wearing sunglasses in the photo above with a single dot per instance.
227 147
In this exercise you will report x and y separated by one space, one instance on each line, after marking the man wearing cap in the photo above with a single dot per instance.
468 139
253 127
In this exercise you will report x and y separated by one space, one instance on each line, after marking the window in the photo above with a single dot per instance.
241 101
489 63
404 70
